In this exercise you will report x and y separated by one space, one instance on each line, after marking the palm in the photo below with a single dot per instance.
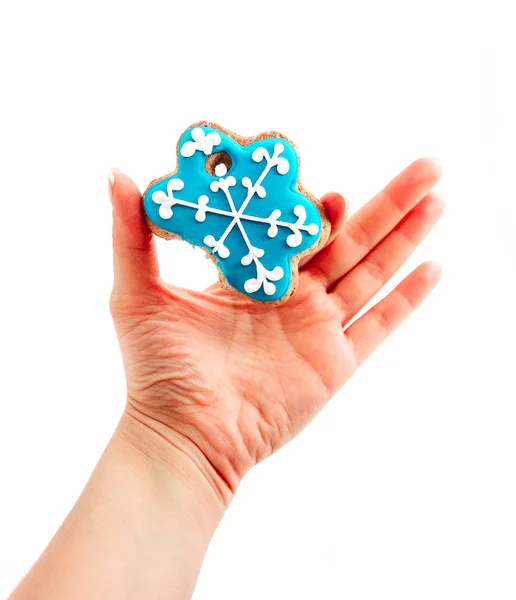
238 379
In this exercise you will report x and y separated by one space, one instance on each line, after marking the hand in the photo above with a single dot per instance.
228 381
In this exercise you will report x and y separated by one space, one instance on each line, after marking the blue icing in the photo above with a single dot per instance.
174 207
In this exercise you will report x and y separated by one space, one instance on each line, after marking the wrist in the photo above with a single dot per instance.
181 474
140 528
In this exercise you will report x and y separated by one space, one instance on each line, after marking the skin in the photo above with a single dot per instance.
216 383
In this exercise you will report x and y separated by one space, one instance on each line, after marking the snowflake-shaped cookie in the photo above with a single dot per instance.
240 200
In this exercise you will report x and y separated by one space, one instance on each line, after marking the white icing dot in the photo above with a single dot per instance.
278 148
175 184
276 273
188 149
214 138
251 285
165 212
313 229
283 166
258 154
269 288
220 170
294 239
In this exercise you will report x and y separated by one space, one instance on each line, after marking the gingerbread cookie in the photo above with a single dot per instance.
240 200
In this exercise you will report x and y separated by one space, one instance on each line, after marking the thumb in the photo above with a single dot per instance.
134 253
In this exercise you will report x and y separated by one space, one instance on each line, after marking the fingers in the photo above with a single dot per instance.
368 332
358 286
336 208
364 230
134 254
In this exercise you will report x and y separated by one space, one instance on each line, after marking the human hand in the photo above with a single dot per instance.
228 381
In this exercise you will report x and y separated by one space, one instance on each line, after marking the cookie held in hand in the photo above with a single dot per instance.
240 200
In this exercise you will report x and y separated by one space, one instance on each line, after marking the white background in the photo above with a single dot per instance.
404 487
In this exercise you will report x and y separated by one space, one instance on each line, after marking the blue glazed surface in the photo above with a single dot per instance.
281 193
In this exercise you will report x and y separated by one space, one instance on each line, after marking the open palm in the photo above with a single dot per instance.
229 380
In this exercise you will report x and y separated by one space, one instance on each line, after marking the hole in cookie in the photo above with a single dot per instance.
218 164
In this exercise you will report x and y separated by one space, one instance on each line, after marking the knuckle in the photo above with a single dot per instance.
357 235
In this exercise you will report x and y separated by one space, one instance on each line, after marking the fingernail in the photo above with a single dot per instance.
434 270
111 179
438 163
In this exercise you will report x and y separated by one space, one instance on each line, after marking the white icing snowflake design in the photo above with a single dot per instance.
201 141
263 278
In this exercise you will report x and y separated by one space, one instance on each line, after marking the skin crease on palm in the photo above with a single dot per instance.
228 381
